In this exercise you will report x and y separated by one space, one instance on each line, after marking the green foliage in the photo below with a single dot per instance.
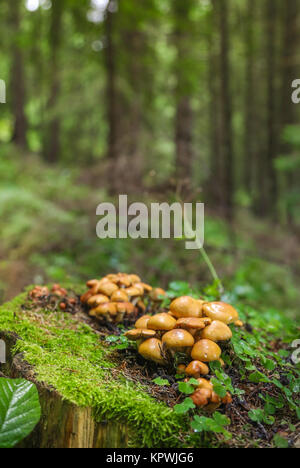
161 382
215 424
20 410
280 442
184 407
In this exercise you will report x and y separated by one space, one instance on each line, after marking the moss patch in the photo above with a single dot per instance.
68 355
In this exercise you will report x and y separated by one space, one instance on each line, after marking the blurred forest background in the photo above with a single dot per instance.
159 99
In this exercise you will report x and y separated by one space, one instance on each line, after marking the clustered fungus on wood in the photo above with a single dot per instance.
116 296
56 293
193 328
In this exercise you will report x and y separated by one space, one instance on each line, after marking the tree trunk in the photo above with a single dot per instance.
226 114
18 92
52 143
290 69
249 136
271 176
184 113
63 424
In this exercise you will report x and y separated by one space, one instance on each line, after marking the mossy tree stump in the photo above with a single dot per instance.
86 401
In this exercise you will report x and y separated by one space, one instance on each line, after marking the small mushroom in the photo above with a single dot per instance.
196 368
203 383
201 397
134 279
119 296
107 288
86 296
107 308
206 351
142 322
124 307
217 331
156 294
138 333
238 323
133 291
181 369
220 311
161 321
178 340
97 300
152 351
92 283
186 306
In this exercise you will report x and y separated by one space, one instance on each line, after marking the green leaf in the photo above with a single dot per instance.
257 377
20 410
184 407
161 382
256 415
184 387
221 419
280 442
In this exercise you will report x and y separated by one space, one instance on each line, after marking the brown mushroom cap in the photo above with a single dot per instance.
85 297
220 311
177 339
201 397
92 283
193 323
124 307
138 333
186 306
107 308
161 321
206 351
134 279
107 288
97 300
133 291
119 296
152 350
156 294
217 331
142 322
196 368
203 383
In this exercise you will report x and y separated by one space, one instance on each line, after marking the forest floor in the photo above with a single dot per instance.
262 413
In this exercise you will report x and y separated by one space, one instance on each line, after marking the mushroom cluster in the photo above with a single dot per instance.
193 328
120 295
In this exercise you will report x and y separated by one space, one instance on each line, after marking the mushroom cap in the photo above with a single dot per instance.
203 383
161 321
139 287
238 323
156 294
186 306
138 333
133 291
206 351
124 307
97 300
142 322
196 367
176 339
107 308
193 323
107 288
134 279
119 296
201 397
146 286
217 331
85 297
220 311
151 350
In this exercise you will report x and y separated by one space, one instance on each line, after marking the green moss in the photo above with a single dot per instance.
68 355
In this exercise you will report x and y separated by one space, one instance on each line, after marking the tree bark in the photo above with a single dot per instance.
184 117
271 196
290 69
52 143
226 113
18 91
249 136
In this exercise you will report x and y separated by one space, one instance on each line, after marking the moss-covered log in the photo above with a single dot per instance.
85 399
